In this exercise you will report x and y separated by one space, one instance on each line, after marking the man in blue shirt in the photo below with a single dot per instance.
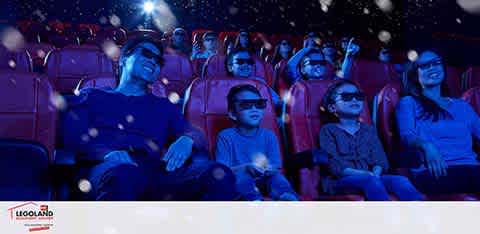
118 135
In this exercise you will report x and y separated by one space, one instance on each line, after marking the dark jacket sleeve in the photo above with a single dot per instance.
179 126
75 125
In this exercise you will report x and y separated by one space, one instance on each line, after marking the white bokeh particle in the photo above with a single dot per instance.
384 5
12 39
384 36
470 6
412 55
115 20
173 97
84 185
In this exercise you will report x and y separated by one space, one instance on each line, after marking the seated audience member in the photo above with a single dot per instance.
439 129
239 63
118 136
344 44
355 154
244 42
210 43
331 54
311 64
179 42
253 153
283 50
312 40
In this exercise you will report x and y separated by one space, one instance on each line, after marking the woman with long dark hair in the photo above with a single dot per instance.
283 50
439 129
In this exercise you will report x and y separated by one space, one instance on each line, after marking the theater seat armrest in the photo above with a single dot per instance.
320 157
64 158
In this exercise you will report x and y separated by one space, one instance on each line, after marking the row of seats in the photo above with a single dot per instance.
32 116
66 66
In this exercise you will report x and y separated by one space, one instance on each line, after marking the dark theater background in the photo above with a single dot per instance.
411 23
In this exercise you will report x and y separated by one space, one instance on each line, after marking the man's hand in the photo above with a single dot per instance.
178 153
119 156
377 171
434 161
352 48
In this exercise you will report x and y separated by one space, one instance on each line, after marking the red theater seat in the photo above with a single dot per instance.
372 76
26 108
454 82
303 124
206 106
280 82
107 80
117 35
197 35
178 72
388 133
15 61
141 32
38 52
472 96
215 66
198 66
60 40
223 35
471 78
67 66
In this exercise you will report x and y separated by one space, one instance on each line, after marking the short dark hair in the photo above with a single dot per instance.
235 90
329 98
229 58
132 44
312 51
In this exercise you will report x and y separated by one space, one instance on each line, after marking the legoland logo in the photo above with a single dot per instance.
36 217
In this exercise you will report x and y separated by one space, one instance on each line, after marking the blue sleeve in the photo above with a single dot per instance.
406 121
274 151
223 153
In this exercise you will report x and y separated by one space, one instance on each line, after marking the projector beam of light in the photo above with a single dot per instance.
148 7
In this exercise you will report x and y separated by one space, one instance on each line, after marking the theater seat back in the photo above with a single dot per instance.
454 82
372 76
206 106
177 73
15 60
24 171
472 96
27 111
108 81
67 66
98 81
215 66
471 78
303 115
280 82
388 99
